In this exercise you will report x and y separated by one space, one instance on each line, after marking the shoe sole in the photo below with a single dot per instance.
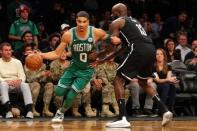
55 121
118 126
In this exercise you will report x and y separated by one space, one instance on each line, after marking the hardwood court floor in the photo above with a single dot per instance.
94 125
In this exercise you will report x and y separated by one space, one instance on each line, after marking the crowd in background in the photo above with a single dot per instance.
27 25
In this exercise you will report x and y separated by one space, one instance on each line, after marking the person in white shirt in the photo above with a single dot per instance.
182 45
12 78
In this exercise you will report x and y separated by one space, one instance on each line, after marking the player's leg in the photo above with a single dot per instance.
75 82
120 97
62 89
146 84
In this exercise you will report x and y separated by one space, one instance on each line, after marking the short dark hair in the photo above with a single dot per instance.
4 44
54 35
83 14
26 32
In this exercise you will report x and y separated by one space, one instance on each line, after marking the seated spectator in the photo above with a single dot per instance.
190 55
183 45
36 80
43 35
169 47
104 76
27 38
164 79
192 63
64 27
13 78
54 40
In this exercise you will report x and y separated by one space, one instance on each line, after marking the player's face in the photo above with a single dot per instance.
115 14
82 23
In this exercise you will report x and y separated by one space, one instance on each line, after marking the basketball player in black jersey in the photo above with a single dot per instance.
137 64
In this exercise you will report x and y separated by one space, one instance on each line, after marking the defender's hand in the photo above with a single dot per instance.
115 40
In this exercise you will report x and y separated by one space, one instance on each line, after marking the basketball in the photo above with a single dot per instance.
33 62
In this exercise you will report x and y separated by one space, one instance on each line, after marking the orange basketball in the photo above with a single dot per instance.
33 61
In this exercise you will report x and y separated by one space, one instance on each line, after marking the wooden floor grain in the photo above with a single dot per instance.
94 125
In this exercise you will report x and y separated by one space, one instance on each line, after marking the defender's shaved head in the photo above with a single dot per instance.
119 9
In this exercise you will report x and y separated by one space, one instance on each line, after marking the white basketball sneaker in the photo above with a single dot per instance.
123 123
167 117
59 117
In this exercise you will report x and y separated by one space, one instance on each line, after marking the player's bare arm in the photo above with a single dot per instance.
66 38
102 35
115 27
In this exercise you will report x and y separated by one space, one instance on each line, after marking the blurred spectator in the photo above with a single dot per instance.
157 26
20 26
43 35
12 79
104 23
27 38
13 9
3 22
91 5
174 24
151 33
55 16
182 44
64 27
191 53
71 20
54 40
169 46
104 76
94 21
192 62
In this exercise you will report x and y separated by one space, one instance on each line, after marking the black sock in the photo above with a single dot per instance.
29 107
162 107
122 108
7 106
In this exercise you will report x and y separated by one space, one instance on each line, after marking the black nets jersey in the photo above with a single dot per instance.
133 32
